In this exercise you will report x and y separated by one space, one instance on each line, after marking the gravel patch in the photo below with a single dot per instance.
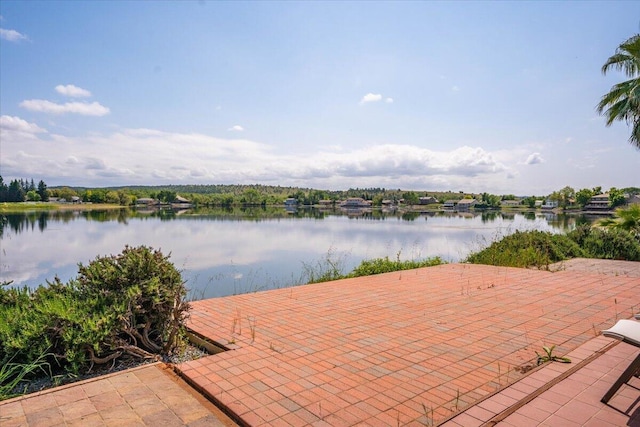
46 382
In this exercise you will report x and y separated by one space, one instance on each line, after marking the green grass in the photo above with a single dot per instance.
48 206
26 206
386 265
12 374
331 267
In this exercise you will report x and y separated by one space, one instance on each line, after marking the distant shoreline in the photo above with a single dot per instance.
44 206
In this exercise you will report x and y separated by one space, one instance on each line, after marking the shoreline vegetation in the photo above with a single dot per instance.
25 195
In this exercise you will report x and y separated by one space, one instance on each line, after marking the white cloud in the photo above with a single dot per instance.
16 124
455 88
147 156
95 163
12 35
73 91
534 159
389 100
371 97
236 128
82 108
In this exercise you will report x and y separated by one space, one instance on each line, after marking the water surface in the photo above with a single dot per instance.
223 252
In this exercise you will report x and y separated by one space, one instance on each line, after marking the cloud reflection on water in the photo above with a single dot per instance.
221 256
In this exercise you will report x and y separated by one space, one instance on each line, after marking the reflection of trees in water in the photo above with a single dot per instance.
410 216
26 221
23 221
567 222
488 216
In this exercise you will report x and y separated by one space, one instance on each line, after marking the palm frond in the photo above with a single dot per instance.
622 102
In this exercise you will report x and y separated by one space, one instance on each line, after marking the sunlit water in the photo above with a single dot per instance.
228 252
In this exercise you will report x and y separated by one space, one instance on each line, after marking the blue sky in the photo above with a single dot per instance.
474 96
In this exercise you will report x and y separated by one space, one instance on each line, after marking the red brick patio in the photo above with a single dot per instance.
423 347
408 348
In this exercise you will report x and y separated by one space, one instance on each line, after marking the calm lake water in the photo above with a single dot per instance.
223 252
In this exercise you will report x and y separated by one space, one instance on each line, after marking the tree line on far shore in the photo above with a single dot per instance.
21 190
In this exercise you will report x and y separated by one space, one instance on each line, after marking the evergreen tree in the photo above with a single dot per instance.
43 192
16 192
4 191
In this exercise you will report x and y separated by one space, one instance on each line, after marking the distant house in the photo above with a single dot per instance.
76 199
510 203
549 204
291 202
326 203
538 203
599 202
181 203
146 201
355 202
427 200
633 200
466 204
450 204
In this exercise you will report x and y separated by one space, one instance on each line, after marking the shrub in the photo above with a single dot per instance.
129 304
385 265
528 248
612 243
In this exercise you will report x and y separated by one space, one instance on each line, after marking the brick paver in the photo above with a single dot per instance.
574 399
151 395
421 347
406 347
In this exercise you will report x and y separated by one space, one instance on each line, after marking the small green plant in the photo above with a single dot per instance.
331 267
428 414
252 327
548 356
12 374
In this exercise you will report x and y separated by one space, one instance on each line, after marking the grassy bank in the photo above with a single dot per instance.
49 206
540 249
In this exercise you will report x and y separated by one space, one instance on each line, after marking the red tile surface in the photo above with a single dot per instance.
420 342
150 395
420 347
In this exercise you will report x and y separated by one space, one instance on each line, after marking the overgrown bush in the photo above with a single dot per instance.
128 304
612 243
386 265
528 248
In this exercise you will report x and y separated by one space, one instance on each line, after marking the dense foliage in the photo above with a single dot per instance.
539 249
608 243
626 219
131 304
528 248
